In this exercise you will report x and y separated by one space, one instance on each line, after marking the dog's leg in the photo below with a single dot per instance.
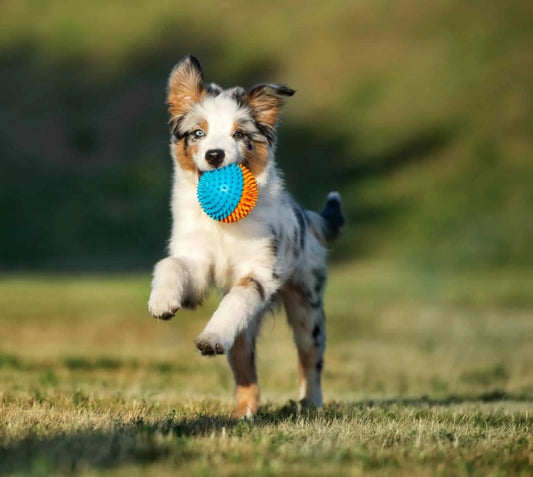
241 358
176 283
244 302
305 314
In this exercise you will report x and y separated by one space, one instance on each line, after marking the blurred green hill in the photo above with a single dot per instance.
420 113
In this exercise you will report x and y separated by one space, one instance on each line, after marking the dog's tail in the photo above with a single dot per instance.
332 215
328 223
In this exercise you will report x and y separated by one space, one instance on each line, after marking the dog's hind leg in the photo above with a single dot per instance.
241 358
305 314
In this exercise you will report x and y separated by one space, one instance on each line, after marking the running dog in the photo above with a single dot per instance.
275 253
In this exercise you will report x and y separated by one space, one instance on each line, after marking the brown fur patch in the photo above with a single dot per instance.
242 361
241 357
183 155
307 359
204 126
184 152
246 400
298 294
256 158
185 87
308 372
250 282
236 126
265 105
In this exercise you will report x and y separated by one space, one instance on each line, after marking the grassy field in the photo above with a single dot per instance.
427 374
419 113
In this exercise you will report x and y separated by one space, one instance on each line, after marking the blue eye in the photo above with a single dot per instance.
198 133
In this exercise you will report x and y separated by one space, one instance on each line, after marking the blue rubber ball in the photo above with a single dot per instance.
220 190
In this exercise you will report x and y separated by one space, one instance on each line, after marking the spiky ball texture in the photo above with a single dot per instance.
227 194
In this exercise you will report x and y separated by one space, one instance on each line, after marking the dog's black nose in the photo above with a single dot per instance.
215 157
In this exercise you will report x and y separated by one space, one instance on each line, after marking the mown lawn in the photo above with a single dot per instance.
419 113
425 374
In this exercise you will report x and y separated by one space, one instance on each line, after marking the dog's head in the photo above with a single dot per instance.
211 127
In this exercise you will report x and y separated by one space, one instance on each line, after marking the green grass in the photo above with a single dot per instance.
420 113
114 437
425 374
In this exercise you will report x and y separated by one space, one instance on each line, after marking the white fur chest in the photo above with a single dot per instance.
229 251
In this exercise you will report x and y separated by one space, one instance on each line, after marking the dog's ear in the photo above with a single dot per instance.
265 101
185 86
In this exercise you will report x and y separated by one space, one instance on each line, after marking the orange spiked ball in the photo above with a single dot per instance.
227 194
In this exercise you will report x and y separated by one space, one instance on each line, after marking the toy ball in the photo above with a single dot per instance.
227 194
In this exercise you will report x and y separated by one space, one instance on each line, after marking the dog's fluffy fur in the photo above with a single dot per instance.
277 251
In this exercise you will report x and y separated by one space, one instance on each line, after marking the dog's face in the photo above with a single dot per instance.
212 128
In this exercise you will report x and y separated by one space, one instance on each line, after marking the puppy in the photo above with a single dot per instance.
276 252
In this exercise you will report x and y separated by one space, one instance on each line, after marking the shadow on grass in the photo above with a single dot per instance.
171 439
136 442
292 411
453 400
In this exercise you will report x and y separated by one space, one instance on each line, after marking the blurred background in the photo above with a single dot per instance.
419 113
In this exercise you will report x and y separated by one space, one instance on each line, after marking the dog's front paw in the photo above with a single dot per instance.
209 344
163 303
